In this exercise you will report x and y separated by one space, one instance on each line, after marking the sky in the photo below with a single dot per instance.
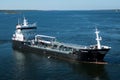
59 4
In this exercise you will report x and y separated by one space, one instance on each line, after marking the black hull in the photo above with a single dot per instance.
85 55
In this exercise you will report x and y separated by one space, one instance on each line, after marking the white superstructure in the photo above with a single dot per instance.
20 34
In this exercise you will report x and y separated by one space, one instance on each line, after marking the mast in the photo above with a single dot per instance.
18 22
25 23
98 39
18 25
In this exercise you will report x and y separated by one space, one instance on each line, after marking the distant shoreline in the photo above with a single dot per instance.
5 10
19 11
9 11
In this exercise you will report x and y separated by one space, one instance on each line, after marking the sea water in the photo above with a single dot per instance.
74 27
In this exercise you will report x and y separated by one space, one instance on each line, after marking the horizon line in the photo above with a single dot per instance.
64 9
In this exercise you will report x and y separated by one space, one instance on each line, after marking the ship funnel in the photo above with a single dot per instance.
98 39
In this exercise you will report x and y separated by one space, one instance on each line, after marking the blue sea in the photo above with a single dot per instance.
76 27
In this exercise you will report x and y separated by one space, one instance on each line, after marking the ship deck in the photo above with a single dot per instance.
51 49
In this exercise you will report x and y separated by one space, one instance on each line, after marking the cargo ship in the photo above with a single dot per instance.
26 39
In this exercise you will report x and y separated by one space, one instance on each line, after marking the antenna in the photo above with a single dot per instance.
18 21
